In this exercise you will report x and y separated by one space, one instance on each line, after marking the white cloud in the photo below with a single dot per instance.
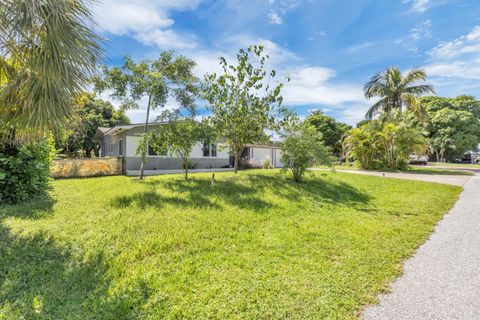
421 30
310 85
167 39
465 44
454 66
146 20
418 5
274 17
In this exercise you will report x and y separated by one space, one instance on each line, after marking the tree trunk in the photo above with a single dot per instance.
88 152
185 168
142 165
96 151
238 154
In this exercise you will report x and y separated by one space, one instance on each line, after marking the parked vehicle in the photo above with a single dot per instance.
418 159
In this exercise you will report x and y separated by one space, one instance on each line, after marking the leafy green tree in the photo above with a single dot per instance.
178 136
302 147
96 113
169 76
332 131
379 144
242 100
396 91
453 125
90 113
360 144
47 55
395 142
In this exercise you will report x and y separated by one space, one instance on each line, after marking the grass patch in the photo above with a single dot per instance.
432 170
457 165
250 246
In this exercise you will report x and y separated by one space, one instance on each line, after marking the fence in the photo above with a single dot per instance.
71 168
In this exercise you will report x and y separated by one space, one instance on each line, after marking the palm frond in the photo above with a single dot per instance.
378 107
50 45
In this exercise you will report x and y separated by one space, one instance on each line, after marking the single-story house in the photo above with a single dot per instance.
122 141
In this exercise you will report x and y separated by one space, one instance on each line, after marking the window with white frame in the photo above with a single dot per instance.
209 149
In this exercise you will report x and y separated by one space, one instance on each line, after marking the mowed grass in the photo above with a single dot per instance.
433 170
251 246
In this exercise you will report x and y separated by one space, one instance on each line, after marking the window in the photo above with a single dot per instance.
152 152
209 149
120 147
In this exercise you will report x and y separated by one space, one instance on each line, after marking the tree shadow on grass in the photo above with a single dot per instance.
36 209
41 278
244 192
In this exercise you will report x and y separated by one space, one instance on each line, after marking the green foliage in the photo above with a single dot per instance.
168 76
177 137
303 147
396 90
47 55
452 127
378 144
250 246
332 131
266 164
242 101
90 113
24 170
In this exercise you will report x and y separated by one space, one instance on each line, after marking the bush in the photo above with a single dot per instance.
303 147
383 145
24 171
266 164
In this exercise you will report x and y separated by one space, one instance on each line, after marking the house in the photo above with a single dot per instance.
122 141
256 154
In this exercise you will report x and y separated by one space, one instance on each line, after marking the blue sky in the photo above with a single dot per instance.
329 48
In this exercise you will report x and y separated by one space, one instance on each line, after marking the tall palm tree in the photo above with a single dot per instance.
48 52
396 90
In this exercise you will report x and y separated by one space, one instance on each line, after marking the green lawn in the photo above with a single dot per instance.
250 246
415 169
458 165
433 170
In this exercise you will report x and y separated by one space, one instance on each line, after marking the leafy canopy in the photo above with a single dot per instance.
453 125
332 131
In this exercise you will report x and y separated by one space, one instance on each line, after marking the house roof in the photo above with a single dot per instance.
117 129
264 145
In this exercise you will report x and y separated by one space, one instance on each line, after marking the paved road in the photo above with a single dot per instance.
442 280
458 180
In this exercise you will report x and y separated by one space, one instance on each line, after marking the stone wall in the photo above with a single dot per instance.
72 168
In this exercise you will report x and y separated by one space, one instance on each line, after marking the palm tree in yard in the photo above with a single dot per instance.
48 52
396 91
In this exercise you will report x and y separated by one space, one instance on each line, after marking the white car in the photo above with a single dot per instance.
418 159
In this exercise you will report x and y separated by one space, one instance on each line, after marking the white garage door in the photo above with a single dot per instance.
261 154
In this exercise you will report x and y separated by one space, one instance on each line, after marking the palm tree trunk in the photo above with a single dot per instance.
142 165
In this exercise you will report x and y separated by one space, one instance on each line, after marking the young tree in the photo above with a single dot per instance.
47 55
167 77
242 101
178 136
302 147
396 90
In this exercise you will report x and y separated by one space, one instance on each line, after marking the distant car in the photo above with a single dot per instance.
418 159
